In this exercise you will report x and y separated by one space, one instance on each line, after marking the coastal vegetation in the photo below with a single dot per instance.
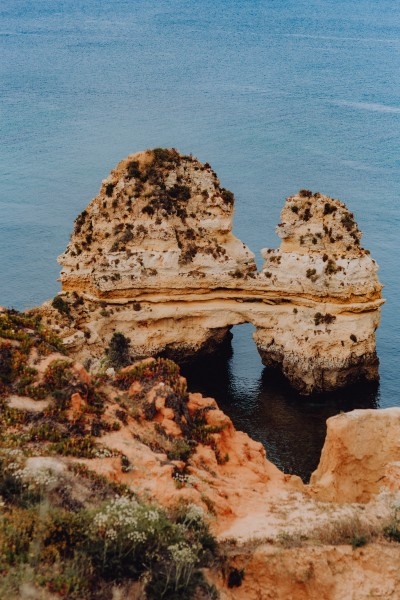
118 351
73 550
70 528
64 528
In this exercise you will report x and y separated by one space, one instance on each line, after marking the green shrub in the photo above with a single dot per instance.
83 447
237 273
76 552
6 362
109 189
127 538
133 169
331 267
180 450
392 530
329 208
28 330
179 192
348 221
326 319
118 351
160 369
57 375
310 274
61 305
13 488
227 196
165 155
80 221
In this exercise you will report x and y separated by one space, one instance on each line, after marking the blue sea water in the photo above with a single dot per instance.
276 95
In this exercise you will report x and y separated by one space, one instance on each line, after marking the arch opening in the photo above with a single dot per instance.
261 403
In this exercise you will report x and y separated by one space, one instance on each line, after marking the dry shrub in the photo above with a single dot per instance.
347 529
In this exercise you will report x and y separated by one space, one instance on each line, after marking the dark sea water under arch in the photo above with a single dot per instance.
260 401
277 96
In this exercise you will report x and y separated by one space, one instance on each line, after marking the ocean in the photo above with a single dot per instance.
275 95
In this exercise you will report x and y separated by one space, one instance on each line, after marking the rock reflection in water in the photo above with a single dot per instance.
261 403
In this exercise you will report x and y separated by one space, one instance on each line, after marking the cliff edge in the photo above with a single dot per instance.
127 484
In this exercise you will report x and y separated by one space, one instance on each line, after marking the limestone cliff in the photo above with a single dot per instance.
153 257
323 335
160 225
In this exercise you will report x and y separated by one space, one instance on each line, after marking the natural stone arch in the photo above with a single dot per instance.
153 257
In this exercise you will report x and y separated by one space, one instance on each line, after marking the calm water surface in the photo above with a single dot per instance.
277 96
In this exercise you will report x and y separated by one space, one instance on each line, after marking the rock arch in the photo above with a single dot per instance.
153 256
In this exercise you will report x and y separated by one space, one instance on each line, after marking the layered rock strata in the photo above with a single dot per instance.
323 333
153 257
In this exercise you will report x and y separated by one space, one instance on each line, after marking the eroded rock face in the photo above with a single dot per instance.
278 538
323 335
361 455
161 223
153 257
153 245
317 573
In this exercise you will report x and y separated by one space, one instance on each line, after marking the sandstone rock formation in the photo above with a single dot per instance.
323 332
317 573
331 545
160 225
361 455
81 438
153 257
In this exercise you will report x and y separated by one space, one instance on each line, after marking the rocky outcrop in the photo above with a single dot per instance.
138 432
361 455
318 573
323 335
160 227
330 540
153 257
186 449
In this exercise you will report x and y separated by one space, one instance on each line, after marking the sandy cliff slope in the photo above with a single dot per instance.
73 437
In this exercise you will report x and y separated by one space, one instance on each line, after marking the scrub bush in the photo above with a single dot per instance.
118 351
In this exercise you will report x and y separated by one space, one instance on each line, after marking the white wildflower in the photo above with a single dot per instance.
104 453
182 553
125 520
184 559
194 514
